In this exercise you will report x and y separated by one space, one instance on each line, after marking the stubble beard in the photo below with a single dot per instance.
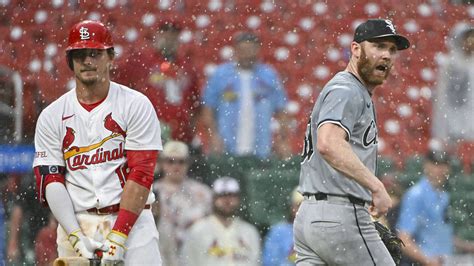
93 80
224 212
365 68
88 81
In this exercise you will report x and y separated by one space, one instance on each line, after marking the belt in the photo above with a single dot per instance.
324 196
110 209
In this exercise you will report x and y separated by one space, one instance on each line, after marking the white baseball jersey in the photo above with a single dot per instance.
91 145
210 243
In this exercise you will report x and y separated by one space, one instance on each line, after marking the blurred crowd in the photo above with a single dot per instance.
240 111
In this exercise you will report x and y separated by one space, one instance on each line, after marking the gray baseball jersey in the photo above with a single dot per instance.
346 102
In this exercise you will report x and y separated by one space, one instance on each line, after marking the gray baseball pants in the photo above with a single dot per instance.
337 232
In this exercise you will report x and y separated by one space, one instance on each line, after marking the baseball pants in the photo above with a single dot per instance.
142 242
337 232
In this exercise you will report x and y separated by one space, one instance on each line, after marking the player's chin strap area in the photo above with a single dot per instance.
360 232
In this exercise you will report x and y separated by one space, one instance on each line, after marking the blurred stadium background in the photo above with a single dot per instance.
306 41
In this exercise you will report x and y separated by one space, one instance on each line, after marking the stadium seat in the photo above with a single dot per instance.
320 33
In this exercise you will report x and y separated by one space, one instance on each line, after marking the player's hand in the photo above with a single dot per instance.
114 248
84 246
381 202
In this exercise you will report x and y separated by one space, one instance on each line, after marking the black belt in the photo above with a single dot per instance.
110 209
324 196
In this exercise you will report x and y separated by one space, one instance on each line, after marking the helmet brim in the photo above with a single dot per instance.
88 45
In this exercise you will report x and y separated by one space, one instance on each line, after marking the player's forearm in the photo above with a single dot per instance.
139 181
340 156
132 203
135 193
134 197
61 206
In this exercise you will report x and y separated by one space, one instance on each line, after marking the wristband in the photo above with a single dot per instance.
125 221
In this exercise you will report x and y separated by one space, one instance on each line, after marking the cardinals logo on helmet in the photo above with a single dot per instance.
84 33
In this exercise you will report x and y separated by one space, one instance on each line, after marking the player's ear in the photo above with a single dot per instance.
111 53
356 49
69 60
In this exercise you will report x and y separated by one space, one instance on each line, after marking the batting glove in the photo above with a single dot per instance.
114 248
83 245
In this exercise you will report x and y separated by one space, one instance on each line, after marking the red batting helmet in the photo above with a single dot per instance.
89 34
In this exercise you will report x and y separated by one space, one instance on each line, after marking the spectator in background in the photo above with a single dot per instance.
240 99
454 96
222 238
423 222
26 220
278 246
168 79
45 243
181 200
7 103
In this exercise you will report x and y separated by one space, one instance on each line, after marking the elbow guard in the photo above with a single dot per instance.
142 166
46 174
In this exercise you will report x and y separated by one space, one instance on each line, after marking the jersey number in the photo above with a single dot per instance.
308 143
122 174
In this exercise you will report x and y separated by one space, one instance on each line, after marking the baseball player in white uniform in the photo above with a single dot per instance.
96 148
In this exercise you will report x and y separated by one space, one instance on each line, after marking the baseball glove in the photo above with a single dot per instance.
391 241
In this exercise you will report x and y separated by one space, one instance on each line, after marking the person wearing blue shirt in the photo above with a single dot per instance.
423 224
278 246
240 99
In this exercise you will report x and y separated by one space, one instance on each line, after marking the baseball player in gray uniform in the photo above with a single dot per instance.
333 225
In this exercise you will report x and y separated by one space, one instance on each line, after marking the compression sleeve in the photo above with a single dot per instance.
142 166
47 174
61 206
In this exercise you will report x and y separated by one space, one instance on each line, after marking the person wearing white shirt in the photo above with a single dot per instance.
222 238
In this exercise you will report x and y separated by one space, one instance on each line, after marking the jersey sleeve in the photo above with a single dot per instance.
341 106
47 142
143 130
